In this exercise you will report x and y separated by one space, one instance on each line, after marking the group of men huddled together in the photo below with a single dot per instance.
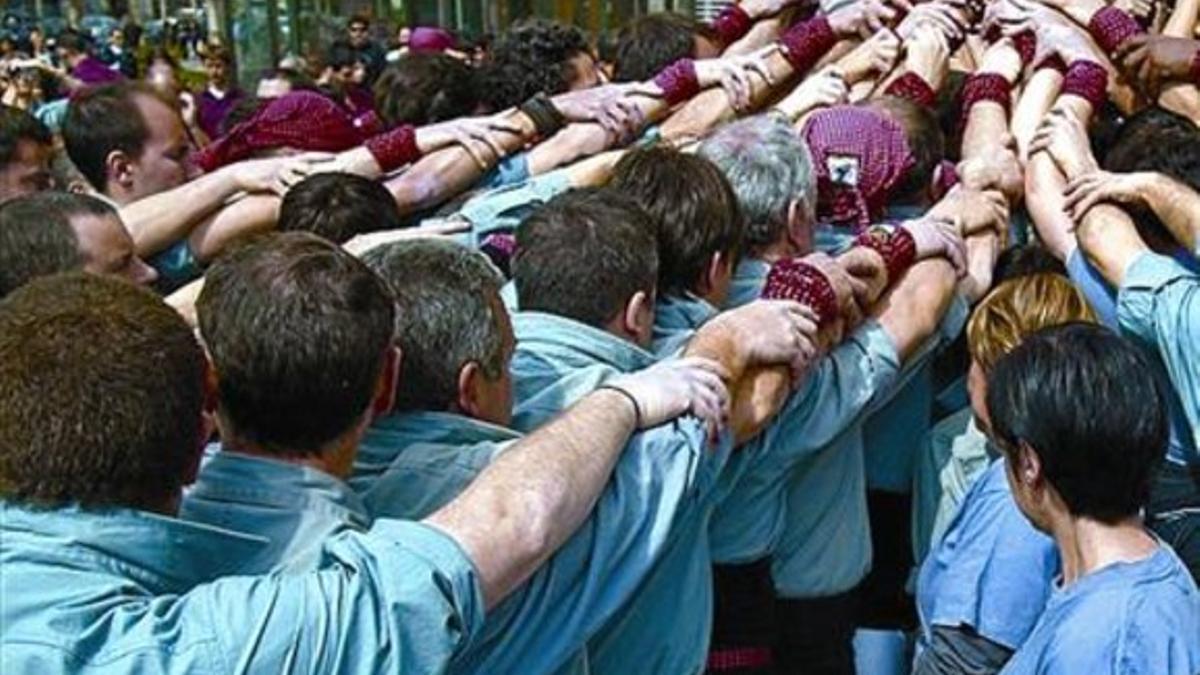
612 381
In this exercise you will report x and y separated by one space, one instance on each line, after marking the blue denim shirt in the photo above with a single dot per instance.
1138 618
1159 304
294 507
991 571
124 591
751 514
413 463
665 627
503 208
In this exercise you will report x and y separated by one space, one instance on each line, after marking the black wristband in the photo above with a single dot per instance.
637 409
546 118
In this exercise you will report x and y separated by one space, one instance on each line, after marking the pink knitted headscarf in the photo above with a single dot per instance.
859 155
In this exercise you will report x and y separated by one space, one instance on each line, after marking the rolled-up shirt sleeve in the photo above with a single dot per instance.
1159 304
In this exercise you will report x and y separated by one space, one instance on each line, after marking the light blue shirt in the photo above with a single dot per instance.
665 627
502 209
296 508
1159 304
411 464
751 514
1140 618
953 456
123 591
991 572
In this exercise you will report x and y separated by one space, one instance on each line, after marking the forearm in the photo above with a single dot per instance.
596 170
714 107
158 221
756 393
1044 185
1183 19
1177 206
1182 99
987 124
251 214
762 34
982 252
573 143
1110 241
1039 95
535 495
911 312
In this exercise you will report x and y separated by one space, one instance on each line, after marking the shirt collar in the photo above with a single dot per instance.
163 553
576 344
246 479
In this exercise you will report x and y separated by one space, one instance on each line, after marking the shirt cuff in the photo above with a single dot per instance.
1145 276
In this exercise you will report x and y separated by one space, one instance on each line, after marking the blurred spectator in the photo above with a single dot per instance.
422 89
118 55
362 47
220 95
74 51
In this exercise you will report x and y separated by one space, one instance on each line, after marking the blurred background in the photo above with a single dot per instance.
261 33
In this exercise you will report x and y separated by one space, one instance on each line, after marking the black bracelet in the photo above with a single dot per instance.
637 409
546 118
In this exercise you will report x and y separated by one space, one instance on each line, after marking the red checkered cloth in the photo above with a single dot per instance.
1026 44
914 88
732 24
805 43
985 87
720 660
300 120
678 81
1088 80
859 155
794 279
1111 27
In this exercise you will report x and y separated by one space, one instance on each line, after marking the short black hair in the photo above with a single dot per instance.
926 143
693 218
531 57
1024 261
422 89
100 121
297 330
17 125
1089 404
648 44
35 241
583 254
446 317
74 40
101 394
338 206
1156 141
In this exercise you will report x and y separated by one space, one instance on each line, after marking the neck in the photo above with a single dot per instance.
335 458
780 250
1087 545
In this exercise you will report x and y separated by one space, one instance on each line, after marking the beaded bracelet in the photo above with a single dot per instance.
678 81
394 149
1087 80
794 279
896 246
913 87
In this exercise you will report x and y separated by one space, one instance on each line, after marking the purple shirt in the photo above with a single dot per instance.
211 111
92 70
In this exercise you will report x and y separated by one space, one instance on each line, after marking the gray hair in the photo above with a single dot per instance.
769 167
446 317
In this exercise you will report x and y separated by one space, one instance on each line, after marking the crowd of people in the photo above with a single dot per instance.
818 339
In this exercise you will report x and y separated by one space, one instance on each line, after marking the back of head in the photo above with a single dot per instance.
926 143
1020 261
298 331
17 125
583 255
100 395
35 241
422 89
1156 143
1088 403
74 41
694 217
100 121
447 301
532 56
338 206
650 43
1019 308
769 168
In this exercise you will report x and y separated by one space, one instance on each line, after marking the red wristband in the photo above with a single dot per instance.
913 87
985 87
805 43
794 279
732 24
1026 45
1196 68
897 248
678 81
1087 80
1110 27
393 149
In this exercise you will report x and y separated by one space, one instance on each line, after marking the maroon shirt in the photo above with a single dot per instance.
211 111
92 71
